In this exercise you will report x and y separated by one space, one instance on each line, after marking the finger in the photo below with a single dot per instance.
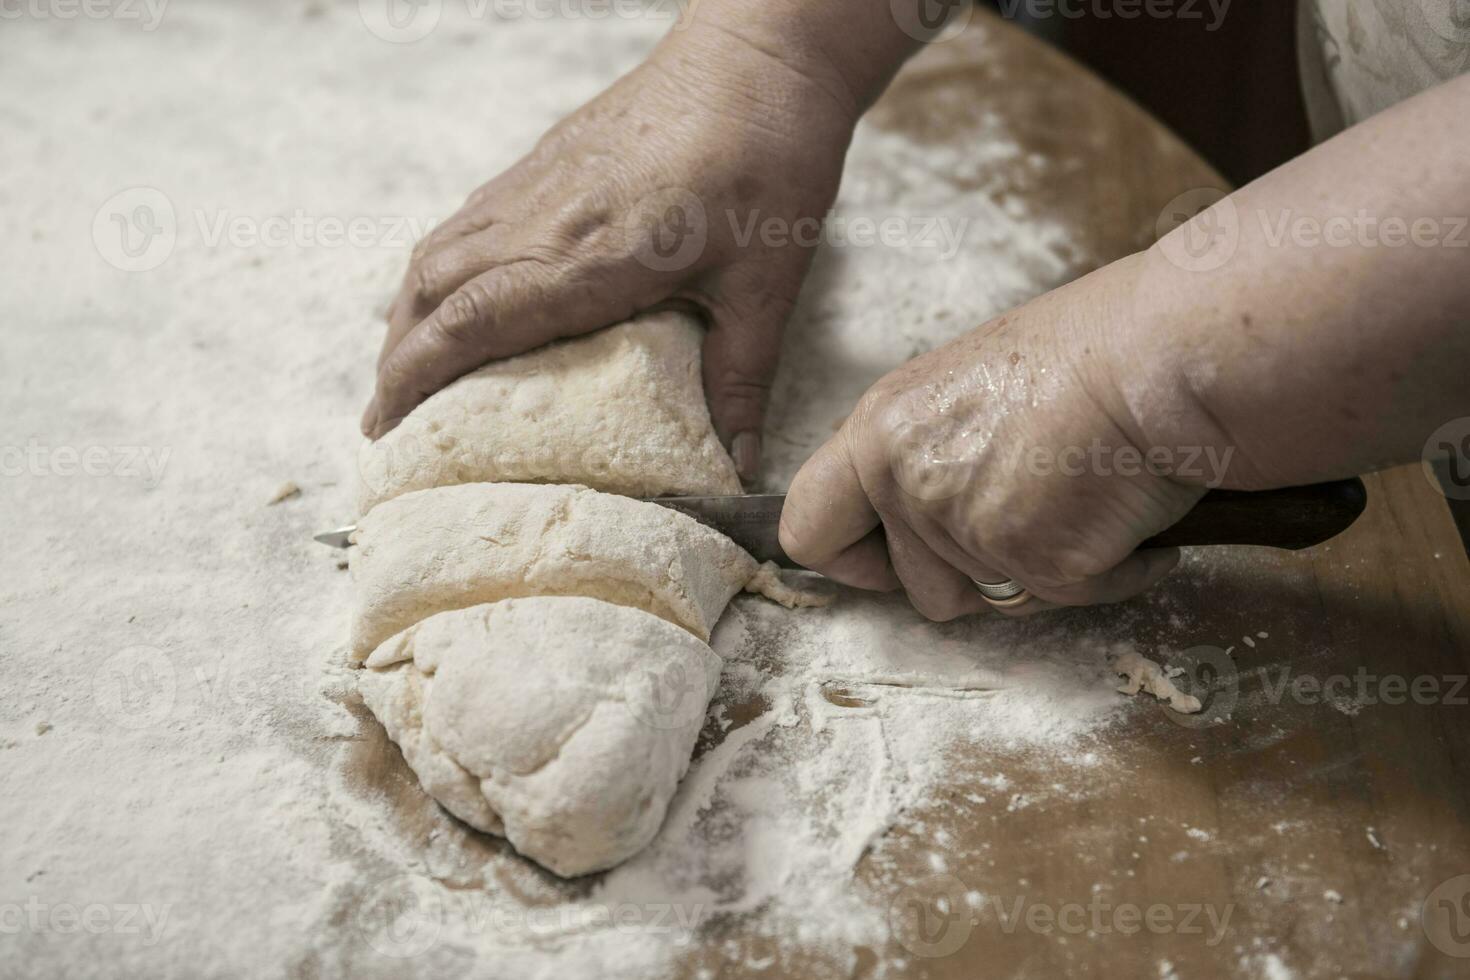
1030 607
937 589
500 203
401 320
436 276
980 571
506 311
1137 573
436 272
865 565
741 352
508 197
829 525
946 546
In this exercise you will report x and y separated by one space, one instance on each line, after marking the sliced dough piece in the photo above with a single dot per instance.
561 723
452 547
1143 674
620 410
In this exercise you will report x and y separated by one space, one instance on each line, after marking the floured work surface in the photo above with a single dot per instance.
872 795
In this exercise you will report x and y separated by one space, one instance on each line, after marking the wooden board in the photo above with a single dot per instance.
1311 829
1320 821
1304 801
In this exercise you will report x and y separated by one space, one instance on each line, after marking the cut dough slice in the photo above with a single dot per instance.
452 547
621 410
561 723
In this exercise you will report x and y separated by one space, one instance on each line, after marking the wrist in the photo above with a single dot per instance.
845 51
1151 377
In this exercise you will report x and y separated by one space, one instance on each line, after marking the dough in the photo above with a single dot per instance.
538 651
767 581
621 410
562 723
1143 674
451 547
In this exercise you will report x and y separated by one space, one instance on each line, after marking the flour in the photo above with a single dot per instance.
183 641
777 816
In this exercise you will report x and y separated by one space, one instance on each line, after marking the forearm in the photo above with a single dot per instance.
850 48
1336 337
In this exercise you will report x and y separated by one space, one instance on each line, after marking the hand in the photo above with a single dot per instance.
641 199
1010 453
1014 452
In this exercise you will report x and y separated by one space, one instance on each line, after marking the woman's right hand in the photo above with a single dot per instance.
699 180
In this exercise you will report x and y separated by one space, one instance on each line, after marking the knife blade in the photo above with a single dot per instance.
750 520
1291 518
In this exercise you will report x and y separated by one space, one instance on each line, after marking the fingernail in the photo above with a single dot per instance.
370 418
745 449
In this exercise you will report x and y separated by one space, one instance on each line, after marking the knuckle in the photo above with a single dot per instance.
918 448
1003 547
882 415
1079 564
479 197
972 540
1041 571
428 245
465 314
427 277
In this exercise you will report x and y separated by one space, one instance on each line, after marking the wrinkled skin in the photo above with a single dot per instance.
948 455
560 244
1293 361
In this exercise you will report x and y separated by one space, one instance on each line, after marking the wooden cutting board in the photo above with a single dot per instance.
1312 827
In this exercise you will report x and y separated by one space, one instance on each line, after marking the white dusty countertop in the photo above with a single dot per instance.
204 218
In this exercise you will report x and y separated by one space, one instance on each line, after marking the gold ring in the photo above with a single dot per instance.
1019 599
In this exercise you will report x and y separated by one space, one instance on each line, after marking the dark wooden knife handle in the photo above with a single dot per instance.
1292 517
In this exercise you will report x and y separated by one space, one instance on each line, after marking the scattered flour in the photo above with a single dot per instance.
175 701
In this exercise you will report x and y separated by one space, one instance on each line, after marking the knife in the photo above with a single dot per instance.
750 520
1291 518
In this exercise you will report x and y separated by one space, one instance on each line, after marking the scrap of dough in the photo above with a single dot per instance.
1144 674
767 581
452 547
621 410
561 723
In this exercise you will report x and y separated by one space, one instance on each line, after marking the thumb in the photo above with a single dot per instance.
830 526
741 351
